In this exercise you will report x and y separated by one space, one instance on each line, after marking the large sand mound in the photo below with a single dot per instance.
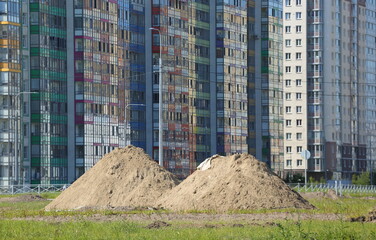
123 178
232 183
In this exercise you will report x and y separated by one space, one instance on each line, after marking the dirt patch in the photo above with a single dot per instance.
371 217
199 219
232 183
158 224
123 178
23 198
331 194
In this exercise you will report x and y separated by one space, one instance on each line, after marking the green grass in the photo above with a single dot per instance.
130 230
348 207
49 195
12 225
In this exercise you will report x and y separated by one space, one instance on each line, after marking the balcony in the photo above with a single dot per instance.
314 47
314 74
314 20
315 60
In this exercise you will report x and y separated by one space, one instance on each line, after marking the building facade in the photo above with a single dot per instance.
81 77
269 95
10 79
326 81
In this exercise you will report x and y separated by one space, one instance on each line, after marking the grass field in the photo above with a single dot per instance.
28 220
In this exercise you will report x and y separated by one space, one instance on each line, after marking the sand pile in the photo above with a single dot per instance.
123 178
23 198
232 183
331 194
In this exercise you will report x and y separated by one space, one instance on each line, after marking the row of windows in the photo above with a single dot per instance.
298 42
298 69
298 82
298 109
299 162
288 3
298 29
298 56
299 149
298 96
298 15
299 122
299 136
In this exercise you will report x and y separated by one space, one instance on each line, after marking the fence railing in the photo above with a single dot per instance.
338 187
32 188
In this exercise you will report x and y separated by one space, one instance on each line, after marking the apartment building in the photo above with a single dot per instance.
90 83
269 84
324 87
10 77
295 84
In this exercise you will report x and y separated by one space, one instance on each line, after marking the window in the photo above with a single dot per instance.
288 29
299 162
288 109
288 149
298 55
288 56
299 149
288 82
298 29
298 2
288 136
288 42
298 96
298 15
288 96
288 2
288 16
288 69
298 42
298 82
299 122
298 69
299 136
299 109
288 163
288 122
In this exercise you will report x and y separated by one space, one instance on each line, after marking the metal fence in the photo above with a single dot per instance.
338 187
31 188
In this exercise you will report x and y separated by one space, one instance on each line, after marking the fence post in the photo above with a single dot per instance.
11 189
38 189
335 187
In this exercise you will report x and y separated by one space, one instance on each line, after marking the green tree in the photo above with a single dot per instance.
362 179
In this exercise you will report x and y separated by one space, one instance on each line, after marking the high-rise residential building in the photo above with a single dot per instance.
46 129
109 79
268 85
81 77
231 77
10 77
370 81
324 75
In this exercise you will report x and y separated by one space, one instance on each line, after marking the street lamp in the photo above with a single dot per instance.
18 107
125 119
160 154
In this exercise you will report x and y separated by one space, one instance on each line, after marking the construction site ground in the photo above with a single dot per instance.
342 215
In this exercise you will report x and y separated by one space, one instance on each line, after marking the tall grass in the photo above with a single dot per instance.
129 230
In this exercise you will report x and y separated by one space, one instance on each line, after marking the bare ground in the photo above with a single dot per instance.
197 218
